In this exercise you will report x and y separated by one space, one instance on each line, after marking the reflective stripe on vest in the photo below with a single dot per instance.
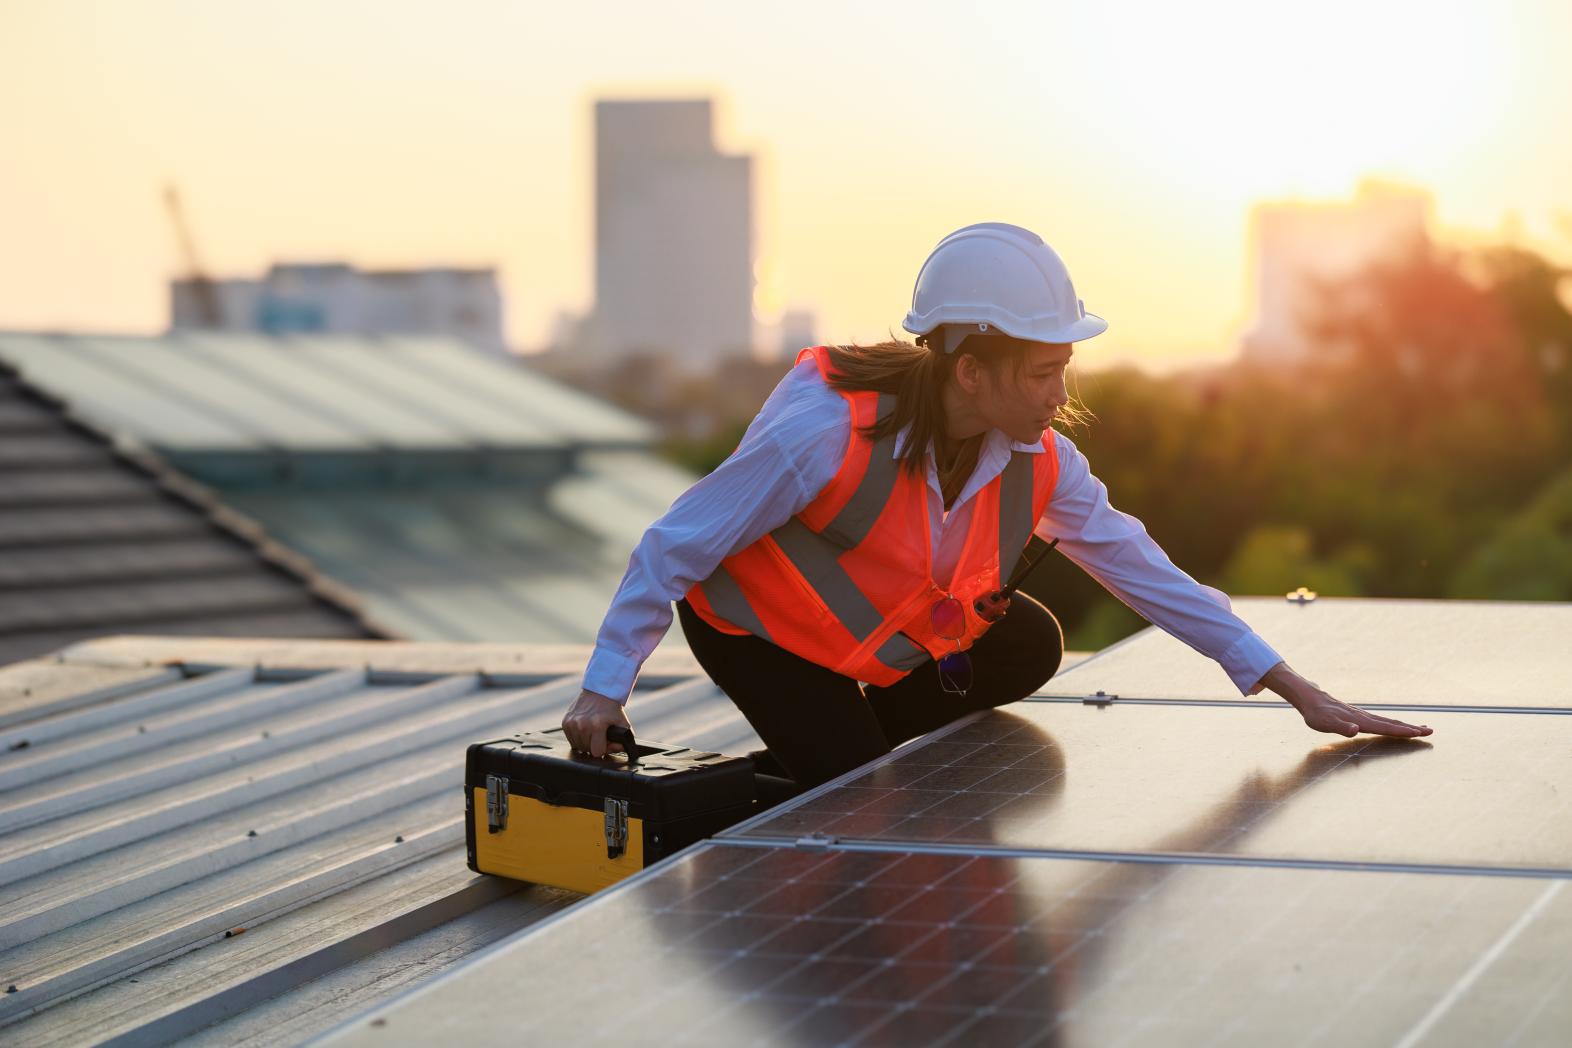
852 524
815 556
1016 519
726 597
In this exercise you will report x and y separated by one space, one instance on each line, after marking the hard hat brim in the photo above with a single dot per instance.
1083 327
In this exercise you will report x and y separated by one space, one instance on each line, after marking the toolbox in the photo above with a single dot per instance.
536 810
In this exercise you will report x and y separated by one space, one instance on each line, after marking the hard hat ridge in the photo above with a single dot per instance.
994 276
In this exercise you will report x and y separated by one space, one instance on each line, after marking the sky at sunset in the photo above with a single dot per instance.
403 133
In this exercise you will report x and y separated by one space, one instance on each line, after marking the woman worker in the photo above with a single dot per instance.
836 575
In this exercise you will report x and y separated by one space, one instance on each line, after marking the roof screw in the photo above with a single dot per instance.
1301 596
399 839
11 988
251 833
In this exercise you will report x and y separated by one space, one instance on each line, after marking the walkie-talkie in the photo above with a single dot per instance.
1015 582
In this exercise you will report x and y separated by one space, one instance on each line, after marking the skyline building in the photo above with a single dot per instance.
1295 244
674 238
334 298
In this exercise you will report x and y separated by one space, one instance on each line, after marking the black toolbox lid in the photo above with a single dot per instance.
665 782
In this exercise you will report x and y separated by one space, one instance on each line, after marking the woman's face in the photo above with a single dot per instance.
1023 406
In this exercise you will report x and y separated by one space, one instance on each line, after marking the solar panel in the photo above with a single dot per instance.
270 364
1486 790
392 378
731 945
1163 872
187 372
119 400
1367 652
562 409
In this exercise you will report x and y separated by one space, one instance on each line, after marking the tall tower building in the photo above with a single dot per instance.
673 236
1296 244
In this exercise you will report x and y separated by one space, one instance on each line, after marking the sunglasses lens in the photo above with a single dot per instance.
955 672
949 619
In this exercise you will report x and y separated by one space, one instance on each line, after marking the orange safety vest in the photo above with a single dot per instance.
847 583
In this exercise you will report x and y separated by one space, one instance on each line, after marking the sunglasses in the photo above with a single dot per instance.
948 619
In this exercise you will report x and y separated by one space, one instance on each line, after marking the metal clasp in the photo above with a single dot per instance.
616 827
496 803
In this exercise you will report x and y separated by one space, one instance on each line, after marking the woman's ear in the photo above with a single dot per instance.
968 374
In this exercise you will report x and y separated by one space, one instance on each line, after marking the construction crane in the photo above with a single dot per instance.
209 312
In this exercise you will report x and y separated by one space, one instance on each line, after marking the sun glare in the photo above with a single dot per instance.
1264 98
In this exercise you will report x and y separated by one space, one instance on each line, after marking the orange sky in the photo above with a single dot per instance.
1133 137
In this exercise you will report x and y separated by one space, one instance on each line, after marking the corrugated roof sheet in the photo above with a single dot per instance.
265 834
95 540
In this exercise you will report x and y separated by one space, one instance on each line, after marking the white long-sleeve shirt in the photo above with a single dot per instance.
788 455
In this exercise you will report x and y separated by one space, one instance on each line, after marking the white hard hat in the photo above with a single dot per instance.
997 277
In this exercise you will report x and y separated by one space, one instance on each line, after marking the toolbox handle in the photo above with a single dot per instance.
617 733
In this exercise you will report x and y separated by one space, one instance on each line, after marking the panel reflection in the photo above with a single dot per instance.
767 946
1486 790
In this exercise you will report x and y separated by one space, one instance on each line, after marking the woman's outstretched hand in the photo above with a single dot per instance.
586 722
1324 713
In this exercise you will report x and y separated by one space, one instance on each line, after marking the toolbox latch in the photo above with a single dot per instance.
616 827
496 803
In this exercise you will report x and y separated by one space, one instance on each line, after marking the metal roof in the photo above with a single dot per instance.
1095 868
97 539
265 835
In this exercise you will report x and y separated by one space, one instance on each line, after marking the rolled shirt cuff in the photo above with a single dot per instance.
1247 660
612 674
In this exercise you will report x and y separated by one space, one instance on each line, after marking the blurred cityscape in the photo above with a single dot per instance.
1396 419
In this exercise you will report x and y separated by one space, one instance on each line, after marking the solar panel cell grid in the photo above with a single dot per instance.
893 948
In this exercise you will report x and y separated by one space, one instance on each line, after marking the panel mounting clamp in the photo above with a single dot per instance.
815 841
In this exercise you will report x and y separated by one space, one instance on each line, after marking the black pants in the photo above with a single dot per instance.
818 724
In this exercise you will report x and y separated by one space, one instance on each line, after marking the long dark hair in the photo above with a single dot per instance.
917 377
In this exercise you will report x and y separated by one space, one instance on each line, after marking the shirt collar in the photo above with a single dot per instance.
996 439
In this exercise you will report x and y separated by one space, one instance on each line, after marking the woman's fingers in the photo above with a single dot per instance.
585 723
1343 719
1376 724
